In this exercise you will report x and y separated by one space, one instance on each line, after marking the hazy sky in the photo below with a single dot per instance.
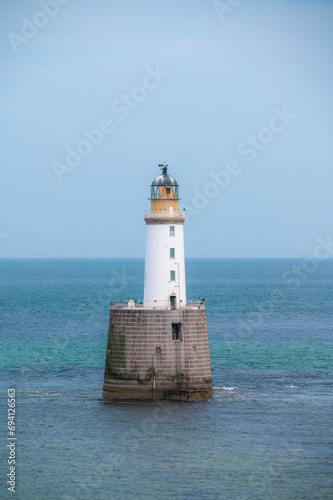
236 96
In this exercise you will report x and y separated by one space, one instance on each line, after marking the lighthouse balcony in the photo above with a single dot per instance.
157 304
172 214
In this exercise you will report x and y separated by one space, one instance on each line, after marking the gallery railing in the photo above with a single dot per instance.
157 304
176 214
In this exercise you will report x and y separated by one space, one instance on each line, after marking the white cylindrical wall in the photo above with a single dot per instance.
158 285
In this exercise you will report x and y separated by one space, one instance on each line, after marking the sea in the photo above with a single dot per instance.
266 433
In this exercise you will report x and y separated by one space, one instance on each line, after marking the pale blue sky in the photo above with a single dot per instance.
224 81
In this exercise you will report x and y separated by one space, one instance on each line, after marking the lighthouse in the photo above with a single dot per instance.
164 263
157 347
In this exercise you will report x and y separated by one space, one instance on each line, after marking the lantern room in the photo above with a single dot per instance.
164 192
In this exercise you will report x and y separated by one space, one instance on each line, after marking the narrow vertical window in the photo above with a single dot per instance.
172 253
172 275
172 230
176 331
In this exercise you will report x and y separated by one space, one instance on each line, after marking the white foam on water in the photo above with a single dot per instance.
227 389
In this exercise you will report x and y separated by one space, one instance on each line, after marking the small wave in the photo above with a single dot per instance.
227 389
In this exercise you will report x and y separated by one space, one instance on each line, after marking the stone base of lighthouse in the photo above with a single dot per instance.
158 354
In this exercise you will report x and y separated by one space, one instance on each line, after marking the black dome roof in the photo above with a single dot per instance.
164 179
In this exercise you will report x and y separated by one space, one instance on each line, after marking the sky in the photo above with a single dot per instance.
235 96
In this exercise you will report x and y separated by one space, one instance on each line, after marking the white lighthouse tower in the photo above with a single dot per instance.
164 284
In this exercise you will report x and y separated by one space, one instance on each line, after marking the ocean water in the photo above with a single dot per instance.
265 434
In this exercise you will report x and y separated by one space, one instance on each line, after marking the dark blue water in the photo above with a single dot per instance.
265 434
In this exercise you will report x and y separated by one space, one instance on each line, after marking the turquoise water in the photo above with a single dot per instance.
265 434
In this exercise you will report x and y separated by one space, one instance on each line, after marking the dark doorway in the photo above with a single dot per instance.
172 302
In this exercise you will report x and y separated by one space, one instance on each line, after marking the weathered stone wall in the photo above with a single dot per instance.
143 361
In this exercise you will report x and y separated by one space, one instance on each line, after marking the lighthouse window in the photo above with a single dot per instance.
172 275
175 331
167 190
172 253
172 230
155 192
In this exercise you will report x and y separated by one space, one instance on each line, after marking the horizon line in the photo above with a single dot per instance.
143 258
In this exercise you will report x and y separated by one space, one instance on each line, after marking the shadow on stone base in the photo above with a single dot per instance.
175 394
